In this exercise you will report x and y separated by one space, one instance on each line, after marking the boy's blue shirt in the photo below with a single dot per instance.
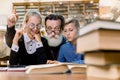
68 53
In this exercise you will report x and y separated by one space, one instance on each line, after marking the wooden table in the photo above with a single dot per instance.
23 76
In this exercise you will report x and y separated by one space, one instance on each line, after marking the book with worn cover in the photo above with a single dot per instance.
99 35
56 68
102 57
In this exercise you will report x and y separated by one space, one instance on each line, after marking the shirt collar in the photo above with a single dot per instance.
26 38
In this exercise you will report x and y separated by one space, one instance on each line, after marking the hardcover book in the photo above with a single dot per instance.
102 57
104 72
99 35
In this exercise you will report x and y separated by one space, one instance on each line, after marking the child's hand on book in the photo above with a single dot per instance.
52 62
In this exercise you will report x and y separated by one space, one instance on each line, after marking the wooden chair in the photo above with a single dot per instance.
3 61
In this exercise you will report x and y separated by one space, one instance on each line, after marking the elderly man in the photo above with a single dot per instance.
54 25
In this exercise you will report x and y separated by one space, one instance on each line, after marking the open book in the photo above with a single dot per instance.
48 68
56 68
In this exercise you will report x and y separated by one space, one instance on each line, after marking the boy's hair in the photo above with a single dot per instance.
73 20
32 13
56 17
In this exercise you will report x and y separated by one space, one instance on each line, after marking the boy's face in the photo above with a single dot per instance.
33 25
54 32
70 32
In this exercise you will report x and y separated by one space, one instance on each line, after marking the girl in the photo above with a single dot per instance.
28 47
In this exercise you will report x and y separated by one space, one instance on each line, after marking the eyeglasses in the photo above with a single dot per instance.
55 30
32 26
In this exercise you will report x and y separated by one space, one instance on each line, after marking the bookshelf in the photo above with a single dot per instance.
91 7
76 10
45 9
68 9
61 8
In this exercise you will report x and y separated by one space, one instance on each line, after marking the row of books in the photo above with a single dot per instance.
100 43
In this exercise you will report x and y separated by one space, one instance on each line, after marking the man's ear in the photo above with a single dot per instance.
46 29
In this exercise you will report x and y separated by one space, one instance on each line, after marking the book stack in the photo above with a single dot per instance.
100 43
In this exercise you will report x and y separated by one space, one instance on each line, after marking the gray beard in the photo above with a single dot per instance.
54 41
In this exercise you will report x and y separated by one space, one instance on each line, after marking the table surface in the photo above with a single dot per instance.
23 76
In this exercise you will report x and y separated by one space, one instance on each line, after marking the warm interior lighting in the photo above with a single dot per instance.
31 4
60 3
91 1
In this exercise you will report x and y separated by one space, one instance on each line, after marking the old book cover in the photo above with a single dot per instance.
55 68
102 57
104 72
99 35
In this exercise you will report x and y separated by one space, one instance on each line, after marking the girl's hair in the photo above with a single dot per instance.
28 15
73 20
32 13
